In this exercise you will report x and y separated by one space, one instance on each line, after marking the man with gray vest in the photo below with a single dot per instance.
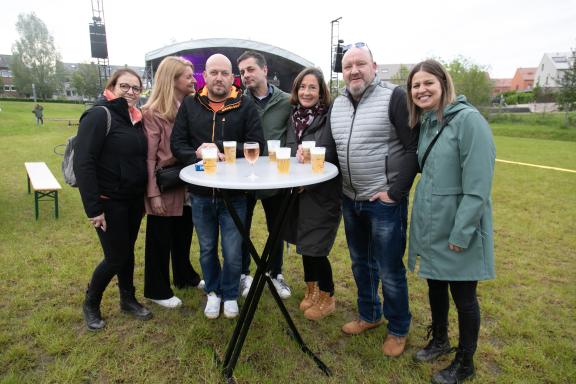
274 109
377 156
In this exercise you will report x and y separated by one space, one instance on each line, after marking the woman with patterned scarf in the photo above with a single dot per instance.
315 219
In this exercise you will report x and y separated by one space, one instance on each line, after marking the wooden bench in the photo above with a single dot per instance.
43 183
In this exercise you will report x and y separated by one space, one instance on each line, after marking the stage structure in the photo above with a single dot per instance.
336 52
283 66
98 43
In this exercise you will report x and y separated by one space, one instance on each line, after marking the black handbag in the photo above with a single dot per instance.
169 177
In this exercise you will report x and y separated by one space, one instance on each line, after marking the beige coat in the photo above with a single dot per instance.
158 131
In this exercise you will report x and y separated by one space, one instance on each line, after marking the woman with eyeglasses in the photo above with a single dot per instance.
451 226
110 169
169 222
314 222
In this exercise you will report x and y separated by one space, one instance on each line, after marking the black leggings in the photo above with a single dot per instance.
319 269
464 296
123 219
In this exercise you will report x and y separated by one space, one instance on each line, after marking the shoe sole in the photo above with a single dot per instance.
211 316
143 318
230 316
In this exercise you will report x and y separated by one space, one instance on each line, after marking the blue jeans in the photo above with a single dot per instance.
376 236
209 215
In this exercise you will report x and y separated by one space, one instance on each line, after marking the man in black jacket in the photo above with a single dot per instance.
217 113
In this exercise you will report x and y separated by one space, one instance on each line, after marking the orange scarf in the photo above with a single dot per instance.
135 114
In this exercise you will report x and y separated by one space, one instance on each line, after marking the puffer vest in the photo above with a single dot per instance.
368 147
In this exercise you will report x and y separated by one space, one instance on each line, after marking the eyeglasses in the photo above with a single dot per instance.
355 45
126 87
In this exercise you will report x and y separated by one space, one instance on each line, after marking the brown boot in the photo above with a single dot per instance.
311 296
394 345
326 305
356 327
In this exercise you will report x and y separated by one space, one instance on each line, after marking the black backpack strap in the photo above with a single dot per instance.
446 122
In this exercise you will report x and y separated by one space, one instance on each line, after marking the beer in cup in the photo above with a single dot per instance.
317 155
283 160
306 145
230 152
272 146
210 158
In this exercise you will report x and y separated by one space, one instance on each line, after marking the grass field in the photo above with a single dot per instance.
528 332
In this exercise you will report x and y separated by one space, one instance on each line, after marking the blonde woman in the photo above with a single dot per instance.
169 225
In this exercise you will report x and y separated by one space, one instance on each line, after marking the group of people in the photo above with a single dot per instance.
378 135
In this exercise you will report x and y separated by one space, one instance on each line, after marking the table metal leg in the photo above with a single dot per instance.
260 279
36 197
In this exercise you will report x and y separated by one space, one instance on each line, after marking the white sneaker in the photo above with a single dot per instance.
201 284
230 309
281 287
212 310
172 302
245 284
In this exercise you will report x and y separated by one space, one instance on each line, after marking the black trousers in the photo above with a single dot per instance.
123 218
464 296
319 269
168 237
271 207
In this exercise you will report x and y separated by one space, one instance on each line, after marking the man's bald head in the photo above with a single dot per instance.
219 60
218 76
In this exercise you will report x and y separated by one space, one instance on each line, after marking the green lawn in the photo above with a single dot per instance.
528 332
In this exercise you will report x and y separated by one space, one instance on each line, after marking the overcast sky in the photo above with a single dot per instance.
498 34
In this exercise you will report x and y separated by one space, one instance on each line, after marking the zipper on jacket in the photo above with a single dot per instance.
386 169
348 153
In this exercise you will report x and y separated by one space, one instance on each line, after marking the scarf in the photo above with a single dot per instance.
302 118
135 114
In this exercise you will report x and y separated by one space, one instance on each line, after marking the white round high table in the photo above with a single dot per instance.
236 177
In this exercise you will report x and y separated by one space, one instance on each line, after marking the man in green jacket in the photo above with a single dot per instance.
274 109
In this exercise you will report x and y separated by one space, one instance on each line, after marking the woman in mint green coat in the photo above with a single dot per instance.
451 225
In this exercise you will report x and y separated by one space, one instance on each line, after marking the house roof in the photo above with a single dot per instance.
526 73
388 71
502 83
5 61
561 60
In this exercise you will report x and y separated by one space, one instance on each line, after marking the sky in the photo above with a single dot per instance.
499 35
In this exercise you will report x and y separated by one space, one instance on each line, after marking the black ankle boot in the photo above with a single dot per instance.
438 346
129 304
461 369
91 310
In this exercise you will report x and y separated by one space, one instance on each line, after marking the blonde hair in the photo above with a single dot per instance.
162 99
437 70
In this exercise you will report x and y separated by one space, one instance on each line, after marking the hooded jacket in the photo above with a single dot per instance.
112 165
197 123
452 203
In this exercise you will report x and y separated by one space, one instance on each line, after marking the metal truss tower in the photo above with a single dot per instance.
335 61
98 41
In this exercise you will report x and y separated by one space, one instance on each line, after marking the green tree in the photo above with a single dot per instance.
86 80
1 86
566 80
35 59
401 77
470 80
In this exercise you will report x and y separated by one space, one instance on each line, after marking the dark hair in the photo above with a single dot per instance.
448 94
260 59
324 91
112 80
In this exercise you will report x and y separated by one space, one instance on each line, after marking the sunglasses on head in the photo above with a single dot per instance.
355 45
